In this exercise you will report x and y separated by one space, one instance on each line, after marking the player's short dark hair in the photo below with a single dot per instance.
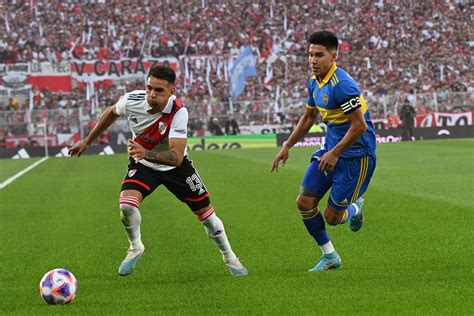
163 72
324 38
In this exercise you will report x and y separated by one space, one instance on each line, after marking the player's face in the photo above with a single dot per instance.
320 59
158 92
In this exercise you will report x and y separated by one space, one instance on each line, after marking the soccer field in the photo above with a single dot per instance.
414 254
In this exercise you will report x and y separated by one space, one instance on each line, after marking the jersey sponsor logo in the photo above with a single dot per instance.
132 172
134 120
325 99
162 127
351 105
180 131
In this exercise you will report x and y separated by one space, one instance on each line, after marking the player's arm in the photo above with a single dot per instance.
177 144
357 129
302 128
172 157
108 118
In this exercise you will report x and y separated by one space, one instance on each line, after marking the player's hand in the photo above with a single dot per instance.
281 156
136 150
78 148
328 161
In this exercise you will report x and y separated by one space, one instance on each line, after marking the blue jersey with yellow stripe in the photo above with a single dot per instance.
336 96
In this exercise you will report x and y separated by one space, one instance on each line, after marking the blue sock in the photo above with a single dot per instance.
317 228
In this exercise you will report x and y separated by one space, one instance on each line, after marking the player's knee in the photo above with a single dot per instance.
305 203
332 216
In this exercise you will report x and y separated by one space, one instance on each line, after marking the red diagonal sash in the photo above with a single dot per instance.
158 130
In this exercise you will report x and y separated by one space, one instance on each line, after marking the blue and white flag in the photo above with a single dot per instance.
244 66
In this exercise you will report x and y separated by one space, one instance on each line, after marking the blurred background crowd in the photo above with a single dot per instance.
396 50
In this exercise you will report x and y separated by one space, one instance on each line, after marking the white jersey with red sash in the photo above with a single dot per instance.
152 131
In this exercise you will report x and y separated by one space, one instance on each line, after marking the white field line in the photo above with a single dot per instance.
22 172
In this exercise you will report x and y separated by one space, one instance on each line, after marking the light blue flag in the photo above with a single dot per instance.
244 66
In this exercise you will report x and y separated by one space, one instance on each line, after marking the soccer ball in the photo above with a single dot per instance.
58 286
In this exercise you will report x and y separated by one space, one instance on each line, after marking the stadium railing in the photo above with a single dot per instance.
285 111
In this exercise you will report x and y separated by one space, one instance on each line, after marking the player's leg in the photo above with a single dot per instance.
130 215
131 219
138 183
185 183
314 185
410 132
215 230
350 181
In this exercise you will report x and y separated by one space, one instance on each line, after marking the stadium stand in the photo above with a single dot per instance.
415 50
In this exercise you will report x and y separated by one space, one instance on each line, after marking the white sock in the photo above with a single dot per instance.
215 230
327 248
356 208
131 219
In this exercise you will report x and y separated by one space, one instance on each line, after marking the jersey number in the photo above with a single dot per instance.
194 182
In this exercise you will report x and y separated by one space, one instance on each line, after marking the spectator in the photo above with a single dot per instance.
231 126
407 116
388 48
380 41
214 127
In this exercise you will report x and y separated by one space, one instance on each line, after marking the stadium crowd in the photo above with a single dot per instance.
389 47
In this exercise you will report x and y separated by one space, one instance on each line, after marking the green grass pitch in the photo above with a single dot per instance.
414 254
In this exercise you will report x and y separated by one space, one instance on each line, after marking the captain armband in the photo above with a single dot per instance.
351 105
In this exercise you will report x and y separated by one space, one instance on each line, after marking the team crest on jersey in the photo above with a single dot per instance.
132 172
162 126
325 99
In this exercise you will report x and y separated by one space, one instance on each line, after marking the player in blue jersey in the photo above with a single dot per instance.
345 162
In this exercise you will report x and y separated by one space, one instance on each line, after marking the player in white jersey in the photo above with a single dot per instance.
158 121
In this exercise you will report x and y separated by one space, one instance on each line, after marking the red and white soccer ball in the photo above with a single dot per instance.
58 286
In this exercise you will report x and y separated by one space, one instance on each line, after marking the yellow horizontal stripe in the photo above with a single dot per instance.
309 106
310 214
333 116
308 211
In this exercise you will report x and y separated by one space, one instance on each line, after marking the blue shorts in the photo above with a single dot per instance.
348 181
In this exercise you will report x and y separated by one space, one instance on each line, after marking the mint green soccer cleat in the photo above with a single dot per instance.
357 220
236 268
327 262
130 261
